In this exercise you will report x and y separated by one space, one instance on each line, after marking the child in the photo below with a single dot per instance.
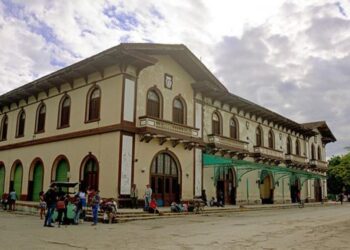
42 204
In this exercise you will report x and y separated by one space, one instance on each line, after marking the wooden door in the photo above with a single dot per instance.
2 180
37 182
17 185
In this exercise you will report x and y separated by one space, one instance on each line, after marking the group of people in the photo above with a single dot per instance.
9 200
57 200
150 204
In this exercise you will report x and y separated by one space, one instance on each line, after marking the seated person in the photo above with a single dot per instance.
213 202
204 197
176 208
4 201
153 207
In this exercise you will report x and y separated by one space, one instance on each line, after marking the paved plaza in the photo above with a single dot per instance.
297 228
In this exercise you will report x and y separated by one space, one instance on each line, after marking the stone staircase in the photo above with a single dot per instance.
127 215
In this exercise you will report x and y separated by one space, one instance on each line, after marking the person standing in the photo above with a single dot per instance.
341 198
61 208
78 209
50 199
42 204
95 206
148 196
134 194
12 200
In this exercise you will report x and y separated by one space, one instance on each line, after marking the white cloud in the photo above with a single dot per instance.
288 55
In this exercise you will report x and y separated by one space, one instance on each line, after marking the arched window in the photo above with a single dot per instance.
216 123
319 154
258 136
94 102
289 145
313 156
179 111
64 112
233 129
21 120
297 147
271 139
40 118
153 104
4 125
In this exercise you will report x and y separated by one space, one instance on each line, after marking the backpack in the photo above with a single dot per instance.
60 205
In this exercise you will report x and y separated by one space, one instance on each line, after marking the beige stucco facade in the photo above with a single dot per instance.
125 141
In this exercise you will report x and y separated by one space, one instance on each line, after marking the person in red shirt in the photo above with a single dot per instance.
153 207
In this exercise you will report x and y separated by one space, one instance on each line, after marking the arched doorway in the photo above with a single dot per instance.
318 190
295 189
2 179
266 187
62 168
226 183
36 177
165 179
16 178
89 173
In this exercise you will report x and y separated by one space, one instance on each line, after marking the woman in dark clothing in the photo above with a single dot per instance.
60 207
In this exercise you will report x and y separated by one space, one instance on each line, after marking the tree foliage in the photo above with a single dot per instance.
338 174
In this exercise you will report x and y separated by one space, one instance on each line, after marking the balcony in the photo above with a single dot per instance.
151 128
267 154
296 160
227 145
319 165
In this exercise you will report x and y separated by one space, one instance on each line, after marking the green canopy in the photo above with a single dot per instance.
222 165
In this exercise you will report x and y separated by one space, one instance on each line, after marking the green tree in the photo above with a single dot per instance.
338 174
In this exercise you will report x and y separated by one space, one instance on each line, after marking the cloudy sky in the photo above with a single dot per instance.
291 56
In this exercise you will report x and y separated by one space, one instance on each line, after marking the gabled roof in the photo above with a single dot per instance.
140 55
327 135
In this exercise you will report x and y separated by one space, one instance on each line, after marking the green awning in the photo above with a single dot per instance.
213 160
222 165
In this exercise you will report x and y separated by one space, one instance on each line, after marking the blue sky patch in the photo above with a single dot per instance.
36 26
13 9
58 63
156 13
123 20
341 9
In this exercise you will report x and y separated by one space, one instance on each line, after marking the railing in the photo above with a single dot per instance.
229 142
296 158
168 126
269 152
319 164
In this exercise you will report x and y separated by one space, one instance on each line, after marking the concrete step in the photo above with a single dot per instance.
125 215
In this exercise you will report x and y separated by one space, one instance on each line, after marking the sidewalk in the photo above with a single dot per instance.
32 207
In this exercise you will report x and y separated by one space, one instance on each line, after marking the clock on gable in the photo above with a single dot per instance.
168 81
